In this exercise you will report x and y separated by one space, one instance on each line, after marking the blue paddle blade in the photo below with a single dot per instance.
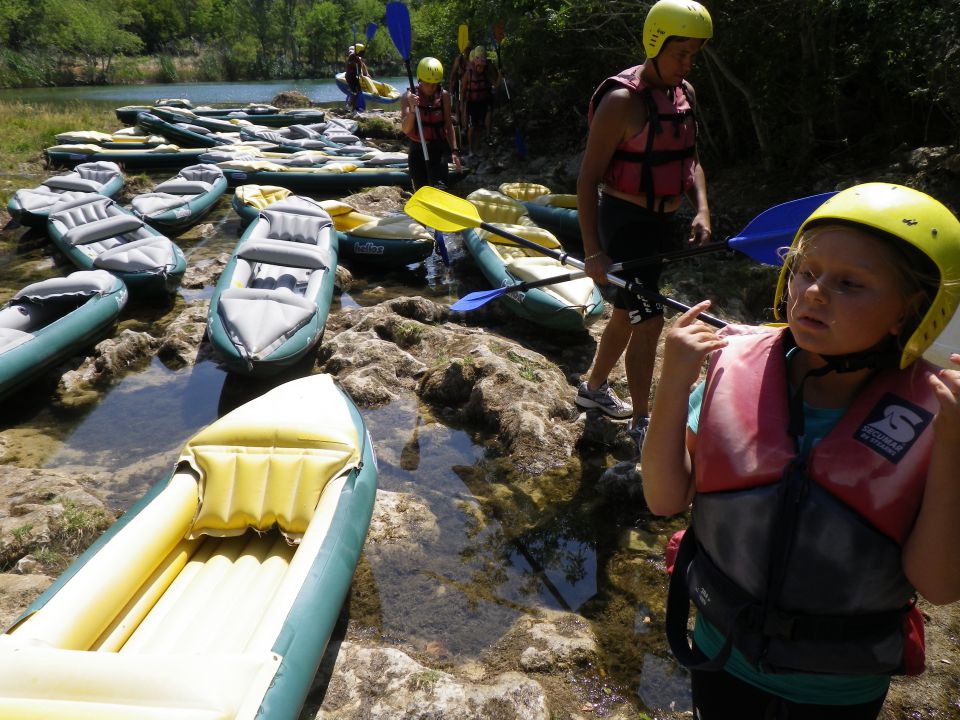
474 300
361 102
371 31
441 247
775 228
398 23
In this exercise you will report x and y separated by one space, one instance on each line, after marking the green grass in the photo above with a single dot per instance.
28 128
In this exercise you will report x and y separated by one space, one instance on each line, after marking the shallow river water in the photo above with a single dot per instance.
590 554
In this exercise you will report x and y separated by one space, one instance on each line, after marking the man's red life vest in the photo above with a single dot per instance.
431 117
660 160
799 559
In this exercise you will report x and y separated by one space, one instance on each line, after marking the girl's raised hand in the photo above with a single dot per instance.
946 386
688 342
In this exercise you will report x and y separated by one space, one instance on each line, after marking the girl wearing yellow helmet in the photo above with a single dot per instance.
432 103
639 164
821 460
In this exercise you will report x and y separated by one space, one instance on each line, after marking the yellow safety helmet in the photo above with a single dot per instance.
430 70
675 18
918 220
478 52
359 48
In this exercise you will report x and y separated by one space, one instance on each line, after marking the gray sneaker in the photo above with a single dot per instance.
638 432
604 399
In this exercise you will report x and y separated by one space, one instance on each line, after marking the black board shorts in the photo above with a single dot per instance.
630 232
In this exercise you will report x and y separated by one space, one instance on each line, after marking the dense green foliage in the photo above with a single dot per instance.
784 82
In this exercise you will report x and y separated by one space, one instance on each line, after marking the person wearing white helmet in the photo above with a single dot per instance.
639 164
356 68
479 80
434 130
821 461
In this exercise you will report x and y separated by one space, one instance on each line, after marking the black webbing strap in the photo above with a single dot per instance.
678 613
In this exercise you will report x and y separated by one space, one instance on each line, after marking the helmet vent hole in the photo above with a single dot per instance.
933 232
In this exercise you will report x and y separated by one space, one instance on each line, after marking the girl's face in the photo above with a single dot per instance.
675 60
429 88
845 293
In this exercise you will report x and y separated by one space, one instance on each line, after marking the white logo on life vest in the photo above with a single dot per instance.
893 426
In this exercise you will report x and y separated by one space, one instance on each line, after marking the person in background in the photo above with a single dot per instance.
436 120
479 81
356 68
821 460
456 88
639 164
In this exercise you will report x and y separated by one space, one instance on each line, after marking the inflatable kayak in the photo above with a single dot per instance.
95 233
571 305
270 305
384 242
182 200
50 321
161 156
32 206
372 90
215 596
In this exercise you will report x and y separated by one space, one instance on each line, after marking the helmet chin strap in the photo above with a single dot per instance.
873 359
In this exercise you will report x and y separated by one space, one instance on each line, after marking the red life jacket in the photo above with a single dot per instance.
659 161
799 561
478 85
431 117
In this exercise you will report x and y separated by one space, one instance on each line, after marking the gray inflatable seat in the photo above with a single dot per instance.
152 253
102 229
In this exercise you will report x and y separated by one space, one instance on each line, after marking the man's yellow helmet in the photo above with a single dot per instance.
675 18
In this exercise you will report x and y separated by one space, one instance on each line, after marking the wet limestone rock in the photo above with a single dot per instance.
384 683
111 359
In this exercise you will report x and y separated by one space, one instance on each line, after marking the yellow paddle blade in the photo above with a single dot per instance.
463 37
441 210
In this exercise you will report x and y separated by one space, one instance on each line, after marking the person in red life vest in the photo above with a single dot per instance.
639 163
356 67
821 461
436 122
456 87
479 80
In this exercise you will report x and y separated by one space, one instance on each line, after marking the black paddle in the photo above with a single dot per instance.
761 240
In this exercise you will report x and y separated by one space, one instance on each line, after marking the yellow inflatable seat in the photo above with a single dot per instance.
495 207
261 196
560 200
256 471
530 232
524 190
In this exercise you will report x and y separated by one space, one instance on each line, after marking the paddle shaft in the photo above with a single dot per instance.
630 287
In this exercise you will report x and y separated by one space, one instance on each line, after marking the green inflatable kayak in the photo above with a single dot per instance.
52 320
377 242
216 595
95 233
270 305
569 306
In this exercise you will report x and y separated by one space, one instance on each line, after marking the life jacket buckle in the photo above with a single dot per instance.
778 624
